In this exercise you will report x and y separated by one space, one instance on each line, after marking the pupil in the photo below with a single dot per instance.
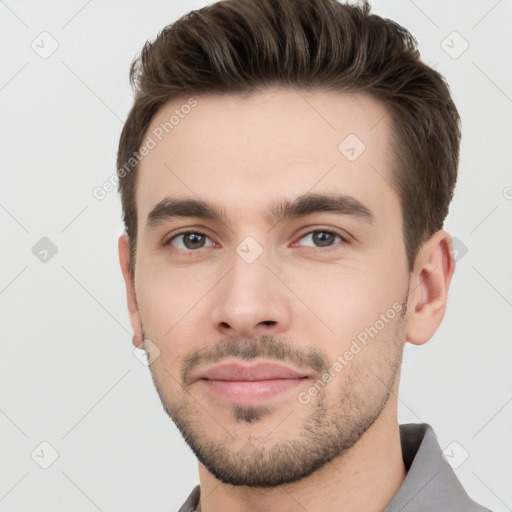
193 236
322 239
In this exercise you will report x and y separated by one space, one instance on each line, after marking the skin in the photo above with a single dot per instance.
299 296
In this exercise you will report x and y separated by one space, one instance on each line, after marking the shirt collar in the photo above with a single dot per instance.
430 483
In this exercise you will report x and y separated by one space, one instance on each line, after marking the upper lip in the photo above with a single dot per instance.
253 372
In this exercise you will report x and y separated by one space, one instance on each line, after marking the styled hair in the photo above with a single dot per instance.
244 46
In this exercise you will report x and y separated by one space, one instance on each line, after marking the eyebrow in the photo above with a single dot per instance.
281 209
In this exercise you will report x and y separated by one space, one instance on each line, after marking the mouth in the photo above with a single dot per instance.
243 384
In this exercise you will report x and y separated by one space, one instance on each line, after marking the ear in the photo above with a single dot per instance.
129 281
430 281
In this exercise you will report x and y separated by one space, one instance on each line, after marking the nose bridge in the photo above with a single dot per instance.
250 297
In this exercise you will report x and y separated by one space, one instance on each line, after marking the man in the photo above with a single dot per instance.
285 172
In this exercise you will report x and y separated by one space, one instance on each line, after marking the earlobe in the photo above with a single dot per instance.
430 283
131 297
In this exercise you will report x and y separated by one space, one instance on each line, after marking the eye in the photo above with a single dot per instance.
191 240
323 237
195 240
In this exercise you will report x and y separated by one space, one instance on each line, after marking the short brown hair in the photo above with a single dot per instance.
243 46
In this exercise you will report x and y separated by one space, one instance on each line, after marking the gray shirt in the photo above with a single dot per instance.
430 485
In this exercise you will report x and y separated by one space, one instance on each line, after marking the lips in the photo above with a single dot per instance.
243 384
254 372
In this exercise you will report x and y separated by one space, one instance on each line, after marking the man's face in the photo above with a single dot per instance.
319 294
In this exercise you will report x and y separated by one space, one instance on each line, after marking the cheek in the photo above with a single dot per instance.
349 300
169 307
167 301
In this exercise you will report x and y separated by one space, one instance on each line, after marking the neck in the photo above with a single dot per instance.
366 477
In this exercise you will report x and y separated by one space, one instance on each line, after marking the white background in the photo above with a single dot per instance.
68 373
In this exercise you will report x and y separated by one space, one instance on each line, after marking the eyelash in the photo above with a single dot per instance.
321 249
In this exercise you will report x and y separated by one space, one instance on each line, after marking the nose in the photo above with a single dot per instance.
251 300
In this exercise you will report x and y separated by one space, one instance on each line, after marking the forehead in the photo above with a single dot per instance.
246 151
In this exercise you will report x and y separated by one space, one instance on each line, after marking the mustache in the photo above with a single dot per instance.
265 346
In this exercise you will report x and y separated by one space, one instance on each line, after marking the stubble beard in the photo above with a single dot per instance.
334 425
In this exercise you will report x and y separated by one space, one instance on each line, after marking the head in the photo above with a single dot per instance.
256 127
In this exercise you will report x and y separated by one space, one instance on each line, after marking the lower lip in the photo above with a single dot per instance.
243 392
